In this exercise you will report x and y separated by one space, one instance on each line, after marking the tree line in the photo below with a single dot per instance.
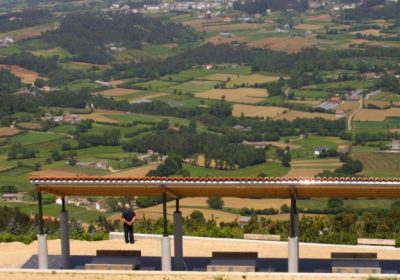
261 6
90 36
374 9
8 82
25 18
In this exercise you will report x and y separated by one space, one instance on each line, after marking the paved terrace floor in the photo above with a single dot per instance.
200 264
197 253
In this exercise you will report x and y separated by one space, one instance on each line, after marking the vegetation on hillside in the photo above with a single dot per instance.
92 37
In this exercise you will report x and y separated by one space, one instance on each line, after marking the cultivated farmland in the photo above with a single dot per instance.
293 114
116 92
257 111
305 26
376 114
379 164
27 76
289 45
8 131
348 106
101 115
237 80
310 168
239 95
29 32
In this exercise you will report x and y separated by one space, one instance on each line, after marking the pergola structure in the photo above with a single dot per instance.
182 187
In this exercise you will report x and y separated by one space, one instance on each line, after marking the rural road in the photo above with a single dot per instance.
350 119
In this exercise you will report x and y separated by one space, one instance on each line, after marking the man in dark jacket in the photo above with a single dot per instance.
128 218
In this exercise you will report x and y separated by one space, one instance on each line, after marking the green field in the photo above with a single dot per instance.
388 123
342 86
99 129
149 51
386 96
81 84
379 164
60 52
35 138
126 118
17 177
194 86
306 151
155 85
176 100
311 94
133 96
192 74
75 212
270 168
64 128
8 51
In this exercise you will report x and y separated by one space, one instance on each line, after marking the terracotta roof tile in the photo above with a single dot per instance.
212 179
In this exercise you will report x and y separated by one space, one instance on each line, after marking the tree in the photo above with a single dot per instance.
221 109
8 82
39 83
8 189
285 208
335 203
215 202
111 137
56 156
197 216
163 124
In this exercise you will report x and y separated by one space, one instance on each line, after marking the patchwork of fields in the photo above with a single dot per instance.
199 87
239 95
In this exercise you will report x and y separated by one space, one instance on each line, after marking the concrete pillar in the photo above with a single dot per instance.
293 240
165 241
165 253
65 251
43 255
42 238
293 258
178 242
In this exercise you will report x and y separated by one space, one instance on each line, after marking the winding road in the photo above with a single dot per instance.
350 118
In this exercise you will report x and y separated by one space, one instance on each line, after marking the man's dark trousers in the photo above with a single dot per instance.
128 232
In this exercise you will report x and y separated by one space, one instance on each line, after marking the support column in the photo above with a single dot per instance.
293 241
42 238
165 241
178 241
64 232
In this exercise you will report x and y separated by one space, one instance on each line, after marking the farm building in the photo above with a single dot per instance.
336 99
371 75
343 148
103 83
12 196
6 42
241 128
255 144
65 118
96 164
328 105
339 114
319 150
395 145
355 94
244 220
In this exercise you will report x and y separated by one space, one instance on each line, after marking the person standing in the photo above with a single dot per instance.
128 218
